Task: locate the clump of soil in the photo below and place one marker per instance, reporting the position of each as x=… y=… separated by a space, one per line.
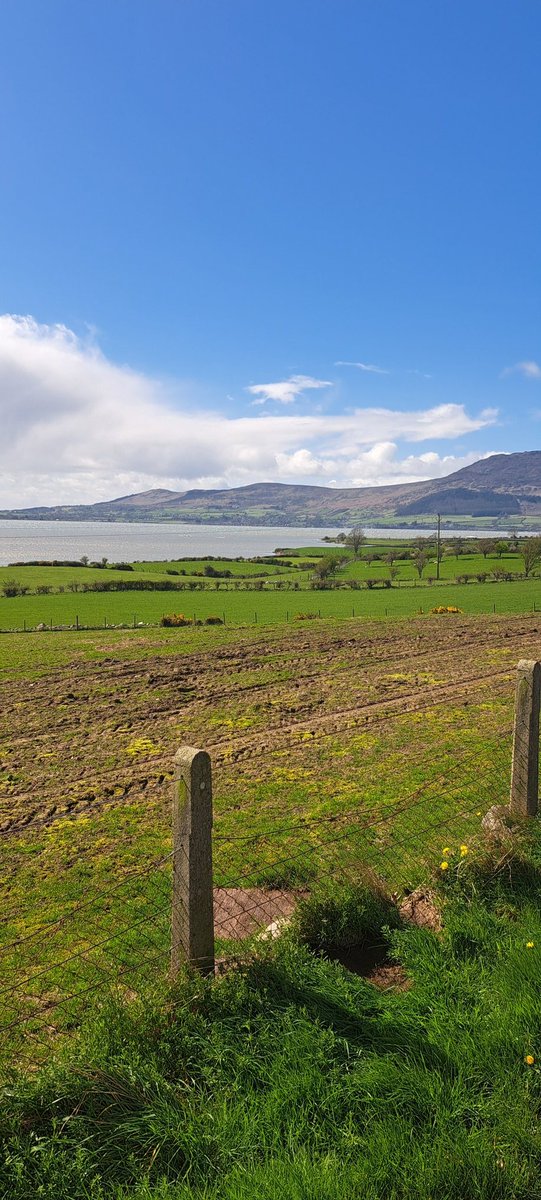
x=420 y=908
x=373 y=964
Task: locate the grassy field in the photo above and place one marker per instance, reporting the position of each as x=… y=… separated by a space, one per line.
x=265 y=607
x=266 y=593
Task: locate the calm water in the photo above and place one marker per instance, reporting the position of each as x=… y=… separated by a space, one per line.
x=23 y=540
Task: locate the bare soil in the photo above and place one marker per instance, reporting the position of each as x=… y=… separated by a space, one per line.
x=241 y=912
x=103 y=733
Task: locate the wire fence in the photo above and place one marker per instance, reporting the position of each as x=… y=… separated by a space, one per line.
x=99 y=919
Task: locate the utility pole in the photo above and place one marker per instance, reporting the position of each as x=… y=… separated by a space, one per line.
x=438 y=547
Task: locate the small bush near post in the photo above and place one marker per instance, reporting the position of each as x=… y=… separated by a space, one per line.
x=339 y=917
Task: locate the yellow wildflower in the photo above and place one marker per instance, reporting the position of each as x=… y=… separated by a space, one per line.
x=444 y=866
x=463 y=851
x=446 y=850
x=530 y=945
x=529 y=1060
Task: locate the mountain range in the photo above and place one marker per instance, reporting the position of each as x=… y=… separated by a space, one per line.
x=500 y=486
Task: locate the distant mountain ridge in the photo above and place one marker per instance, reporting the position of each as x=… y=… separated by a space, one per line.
x=498 y=486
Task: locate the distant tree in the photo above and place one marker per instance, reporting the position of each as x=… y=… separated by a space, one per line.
x=390 y=557
x=393 y=572
x=501 y=548
x=84 y=560
x=327 y=566
x=457 y=545
x=356 y=538
x=420 y=560
x=103 y=562
x=531 y=553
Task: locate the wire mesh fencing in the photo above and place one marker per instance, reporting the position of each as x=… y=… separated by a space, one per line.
x=113 y=937
x=400 y=846
x=118 y=916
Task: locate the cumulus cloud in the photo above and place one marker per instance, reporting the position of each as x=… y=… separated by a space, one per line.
x=379 y=465
x=287 y=390
x=529 y=369
x=363 y=367
x=78 y=428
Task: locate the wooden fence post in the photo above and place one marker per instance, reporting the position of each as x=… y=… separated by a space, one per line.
x=192 y=931
x=525 y=767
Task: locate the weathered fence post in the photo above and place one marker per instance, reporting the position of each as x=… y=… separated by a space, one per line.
x=192 y=933
x=525 y=766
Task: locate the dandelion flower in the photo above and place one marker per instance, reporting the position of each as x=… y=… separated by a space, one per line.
x=444 y=866
x=529 y=1060
x=530 y=945
x=463 y=851
x=446 y=850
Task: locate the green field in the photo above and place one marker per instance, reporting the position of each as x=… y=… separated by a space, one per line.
x=271 y=592
x=265 y=607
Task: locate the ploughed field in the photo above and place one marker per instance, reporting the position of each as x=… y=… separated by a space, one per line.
x=96 y=728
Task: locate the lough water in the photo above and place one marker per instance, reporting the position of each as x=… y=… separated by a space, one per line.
x=24 y=540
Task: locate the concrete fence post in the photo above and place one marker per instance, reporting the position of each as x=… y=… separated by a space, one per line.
x=525 y=766
x=192 y=926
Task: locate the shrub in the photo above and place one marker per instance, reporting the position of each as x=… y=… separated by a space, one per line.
x=343 y=916
x=174 y=620
x=306 y=616
x=11 y=588
x=214 y=621
x=445 y=608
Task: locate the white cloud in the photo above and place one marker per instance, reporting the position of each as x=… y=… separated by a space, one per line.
x=382 y=466
x=377 y=466
x=529 y=369
x=78 y=428
x=286 y=391
x=363 y=367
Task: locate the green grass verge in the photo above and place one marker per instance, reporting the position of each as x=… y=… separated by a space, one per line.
x=292 y=1079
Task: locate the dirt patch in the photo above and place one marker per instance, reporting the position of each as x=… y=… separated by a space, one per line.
x=420 y=908
x=390 y=977
x=241 y=912
x=373 y=964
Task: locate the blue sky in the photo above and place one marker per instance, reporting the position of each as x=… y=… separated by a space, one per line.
x=201 y=198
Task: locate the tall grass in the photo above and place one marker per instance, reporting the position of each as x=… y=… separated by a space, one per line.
x=292 y=1078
